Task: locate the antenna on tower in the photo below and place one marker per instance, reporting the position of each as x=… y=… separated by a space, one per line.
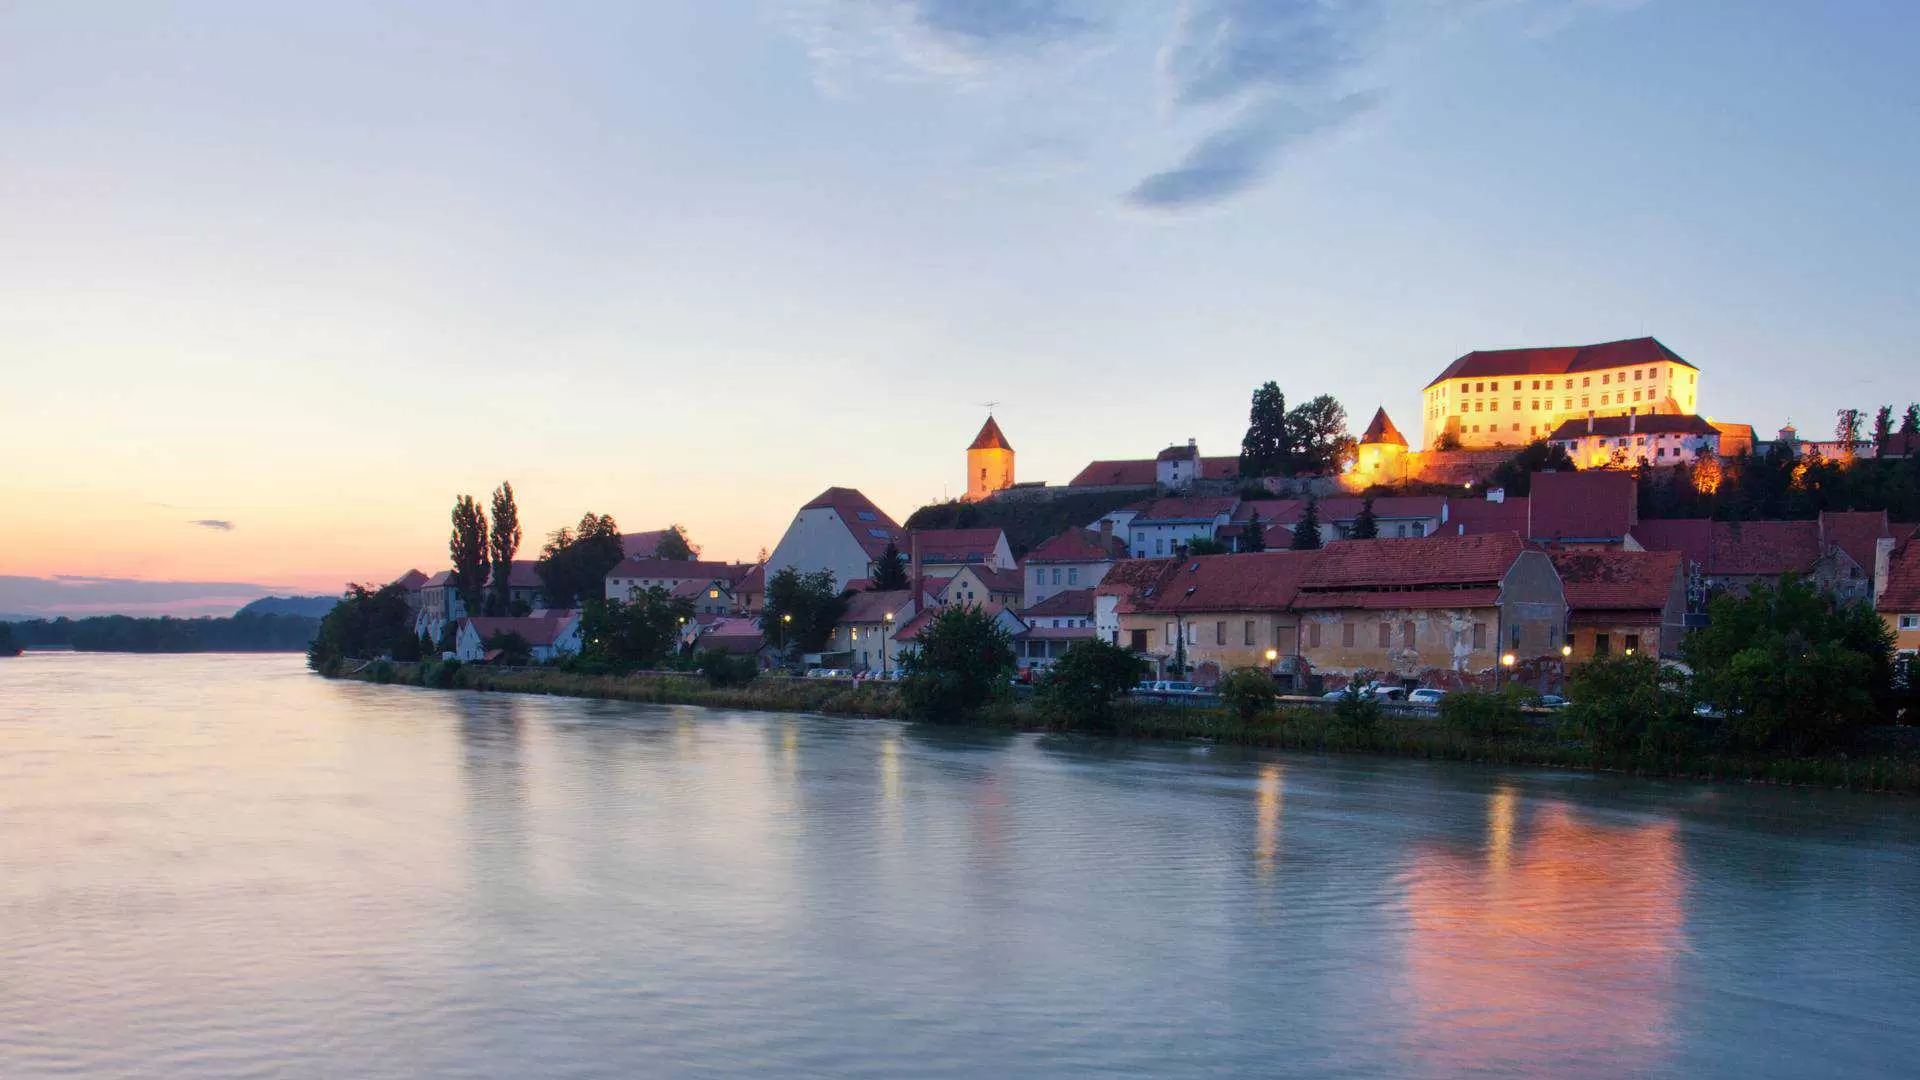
x=987 y=405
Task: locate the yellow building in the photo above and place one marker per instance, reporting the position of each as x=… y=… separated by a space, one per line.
x=1381 y=457
x=1510 y=397
x=989 y=462
x=1898 y=601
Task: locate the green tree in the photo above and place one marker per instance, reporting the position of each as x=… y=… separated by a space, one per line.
x=8 y=647
x=890 y=571
x=367 y=623
x=1083 y=686
x=1846 y=432
x=515 y=651
x=1247 y=694
x=675 y=545
x=1205 y=545
x=1267 y=448
x=503 y=545
x=1481 y=714
x=1882 y=424
x=1910 y=420
x=1255 y=538
x=1321 y=444
x=1515 y=475
x=1628 y=704
x=641 y=631
x=1366 y=526
x=801 y=610
x=963 y=661
x=574 y=564
x=1306 y=533
x=468 y=547
x=723 y=668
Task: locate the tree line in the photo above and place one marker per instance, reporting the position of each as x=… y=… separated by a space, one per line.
x=1310 y=439
x=245 y=632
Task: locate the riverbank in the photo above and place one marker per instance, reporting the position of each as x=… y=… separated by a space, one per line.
x=1300 y=726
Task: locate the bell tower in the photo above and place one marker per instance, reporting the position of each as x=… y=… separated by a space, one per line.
x=989 y=462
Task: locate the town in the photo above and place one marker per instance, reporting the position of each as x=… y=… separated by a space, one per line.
x=1521 y=539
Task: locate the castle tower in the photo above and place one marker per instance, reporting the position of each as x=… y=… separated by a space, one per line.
x=989 y=462
x=1381 y=457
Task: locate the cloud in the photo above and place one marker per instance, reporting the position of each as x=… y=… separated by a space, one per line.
x=1238 y=156
x=960 y=39
x=213 y=523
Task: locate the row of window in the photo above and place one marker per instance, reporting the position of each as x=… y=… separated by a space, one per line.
x=1040 y=573
x=1606 y=378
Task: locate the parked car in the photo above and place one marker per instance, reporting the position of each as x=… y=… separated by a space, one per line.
x=1549 y=701
x=1176 y=686
x=1426 y=695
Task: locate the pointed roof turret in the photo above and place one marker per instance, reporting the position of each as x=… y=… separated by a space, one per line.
x=1382 y=430
x=990 y=437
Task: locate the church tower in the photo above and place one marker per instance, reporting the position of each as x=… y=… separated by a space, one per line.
x=989 y=462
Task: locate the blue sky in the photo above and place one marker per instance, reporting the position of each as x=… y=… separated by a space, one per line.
x=696 y=262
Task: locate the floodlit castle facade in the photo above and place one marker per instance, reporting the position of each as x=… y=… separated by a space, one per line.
x=1510 y=397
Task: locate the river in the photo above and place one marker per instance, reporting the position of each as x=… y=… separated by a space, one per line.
x=223 y=866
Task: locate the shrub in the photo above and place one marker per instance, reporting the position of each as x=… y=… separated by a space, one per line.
x=515 y=651
x=723 y=668
x=1355 y=708
x=1483 y=715
x=440 y=674
x=1082 y=687
x=1628 y=703
x=380 y=671
x=963 y=661
x=1247 y=694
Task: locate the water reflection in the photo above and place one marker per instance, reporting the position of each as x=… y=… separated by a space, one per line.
x=1267 y=799
x=1556 y=945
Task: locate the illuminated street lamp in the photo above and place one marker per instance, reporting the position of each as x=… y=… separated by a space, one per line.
x=1566 y=651
x=884 y=638
x=1506 y=661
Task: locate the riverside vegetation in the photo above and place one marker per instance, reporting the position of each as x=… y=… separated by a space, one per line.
x=1785 y=688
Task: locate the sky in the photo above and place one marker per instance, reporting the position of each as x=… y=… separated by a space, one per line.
x=280 y=281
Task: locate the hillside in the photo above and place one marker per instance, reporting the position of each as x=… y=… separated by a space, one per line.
x=1027 y=522
x=311 y=606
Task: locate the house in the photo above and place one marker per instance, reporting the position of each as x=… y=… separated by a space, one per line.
x=524 y=589
x=735 y=635
x=1439 y=610
x=628 y=575
x=989 y=462
x=1126 y=585
x=1845 y=555
x=1116 y=474
x=1510 y=397
x=707 y=597
x=840 y=531
x=906 y=639
x=1076 y=559
x=1857 y=547
x=1054 y=625
x=1494 y=514
x=1177 y=468
x=1395 y=516
x=1898 y=602
x=1583 y=509
x=981 y=586
x=1659 y=440
x=944 y=551
x=551 y=636
x=1623 y=602
x=1166 y=526
x=411 y=583
x=440 y=604
x=1219 y=613
x=1269 y=513
x=1897 y=446
x=750 y=591
x=865 y=631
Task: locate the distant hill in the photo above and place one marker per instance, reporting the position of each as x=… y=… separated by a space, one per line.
x=315 y=607
x=1027 y=523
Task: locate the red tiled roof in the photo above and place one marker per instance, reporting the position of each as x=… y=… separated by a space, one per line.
x=642 y=545
x=754 y=579
x=946 y=546
x=1178 y=453
x=741 y=636
x=1187 y=509
x=990 y=437
x=1768 y=548
x=1134 y=580
x=1618 y=580
x=695 y=589
x=1558 y=360
x=1138 y=473
x=1476 y=517
x=1346 y=507
x=536 y=629
x=676 y=570
x=1381 y=430
x=862 y=519
x=872 y=607
x=1220 y=468
x=995 y=581
x=1253 y=581
x=1856 y=532
x=1399 y=599
x=1896 y=445
x=1414 y=562
x=1078 y=545
x=1075 y=602
x=441 y=580
x=1271 y=511
x=1616 y=426
x=523 y=574
x=411 y=581
x=1691 y=537
x=1902 y=595
x=1595 y=505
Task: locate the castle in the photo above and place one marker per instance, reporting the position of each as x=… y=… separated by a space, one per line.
x=989 y=462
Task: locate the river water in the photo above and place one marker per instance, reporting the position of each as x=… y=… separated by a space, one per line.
x=222 y=866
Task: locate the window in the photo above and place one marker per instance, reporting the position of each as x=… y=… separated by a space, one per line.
x=983 y=475
x=1169 y=638
x=1602 y=644
x=1568 y=404
x=1479 y=635
x=1605 y=379
x=1493 y=406
x=1910 y=622
x=1249 y=638
x=1516 y=404
x=1516 y=384
x=1636 y=395
x=1159 y=545
x=1039 y=577
x=1584 y=401
x=878 y=534
x=1463 y=406
x=1536 y=384
x=1535 y=405
x=1419 y=528
x=1516 y=427
x=1073 y=575
x=1479 y=386
x=1220 y=632
x=1479 y=406
x=1515 y=643
x=1346 y=635
x=1313 y=634
x=867 y=515
x=1603 y=399
x=1636 y=374
x=1193 y=633
x=1137 y=640
x=1633 y=644
x=1406 y=634
x=1386 y=635
x=1569 y=385
x=1056 y=575
x=1586 y=382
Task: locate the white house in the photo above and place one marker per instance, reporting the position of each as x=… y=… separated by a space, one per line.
x=1657 y=440
x=840 y=531
x=1165 y=526
x=671 y=574
x=1076 y=559
x=551 y=636
x=944 y=551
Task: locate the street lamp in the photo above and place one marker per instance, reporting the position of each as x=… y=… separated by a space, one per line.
x=1507 y=662
x=885 y=637
x=1566 y=651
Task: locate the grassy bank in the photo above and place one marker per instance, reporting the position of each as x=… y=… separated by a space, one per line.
x=1294 y=728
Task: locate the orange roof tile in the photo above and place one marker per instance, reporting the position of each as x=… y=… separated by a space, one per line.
x=1902 y=595
x=1597 y=505
x=1618 y=580
x=990 y=437
x=1253 y=581
x=1077 y=545
x=1414 y=562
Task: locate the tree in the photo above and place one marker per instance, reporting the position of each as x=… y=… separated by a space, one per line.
x=890 y=571
x=367 y=623
x=1083 y=685
x=574 y=564
x=1627 y=704
x=1306 y=533
x=1365 y=527
x=1882 y=424
x=1846 y=432
x=468 y=546
x=1515 y=475
x=1910 y=420
x=675 y=545
x=1448 y=440
x=1267 y=448
x=8 y=647
x=963 y=661
x=1247 y=694
x=1205 y=545
x=1321 y=443
x=1256 y=534
x=801 y=610
x=515 y=651
x=723 y=668
x=503 y=546
x=641 y=631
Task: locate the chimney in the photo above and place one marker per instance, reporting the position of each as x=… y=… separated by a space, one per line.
x=1106 y=529
x=1193 y=443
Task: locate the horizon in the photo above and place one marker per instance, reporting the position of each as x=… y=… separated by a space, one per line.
x=286 y=283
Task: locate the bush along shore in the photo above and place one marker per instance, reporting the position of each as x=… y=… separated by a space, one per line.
x=1486 y=729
